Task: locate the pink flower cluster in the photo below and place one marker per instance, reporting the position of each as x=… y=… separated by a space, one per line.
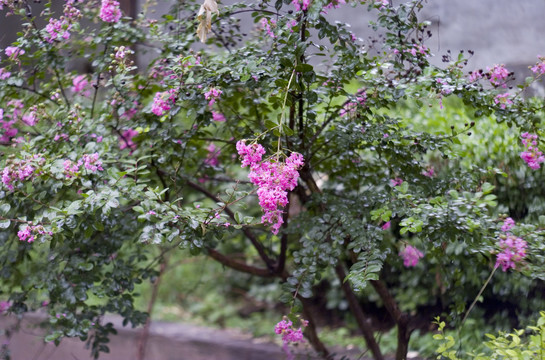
x=531 y=155
x=410 y=255
x=109 y=11
x=497 y=75
x=4 y=305
x=288 y=332
x=335 y=4
x=212 y=95
x=289 y=335
x=301 y=4
x=57 y=29
x=31 y=118
x=14 y=51
x=125 y=141
x=79 y=84
x=539 y=68
x=418 y=49
x=21 y=170
x=267 y=25
x=4 y=74
x=475 y=75
x=508 y=224
x=89 y=161
x=351 y=106
x=212 y=157
x=503 y=100
x=219 y=117
x=274 y=180
x=396 y=182
x=429 y=172
x=29 y=232
x=163 y=101
x=513 y=252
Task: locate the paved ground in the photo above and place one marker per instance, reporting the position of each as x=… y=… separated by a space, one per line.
x=167 y=341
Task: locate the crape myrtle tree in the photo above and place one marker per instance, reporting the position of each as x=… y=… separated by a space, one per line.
x=256 y=151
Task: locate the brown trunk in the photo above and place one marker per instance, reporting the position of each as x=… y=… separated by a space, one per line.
x=401 y=319
x=363 y=322
x=142 y=342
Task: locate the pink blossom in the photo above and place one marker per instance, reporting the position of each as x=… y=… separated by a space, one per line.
x=4 y=74
x=212 y=95
x=513 y=251
x=21 y=170
x=109 y=11
x=335 y=4
x=125 y=141
x=4 y=305
x=539 y=68
x=91 y=162
x=410 y=255
x=351 y=107
x=498 y=74
x=396 y=181
x=291 y=24
x=162 y=102
x=62 y=136
x=250 y=154
x=267 y=25
x=31 y=117
x=212 y=157
x=216 y=116
x=79 y=83
x=273 y=178
x=57 y=29
x=503 y=100
x=26 y=235
x=70 y=169
x=507 y=224
x=475 y=75
x=14 y=51
x=288 y=332
x=120 y=53
x=301 y=4
x=386 y=225
x=429 y=172
x=532 y=156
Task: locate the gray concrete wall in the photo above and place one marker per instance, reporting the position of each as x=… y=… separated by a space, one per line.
x=499 y=31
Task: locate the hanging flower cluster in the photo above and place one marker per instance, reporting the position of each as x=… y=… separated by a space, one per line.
x=289 y=334
x=274 y=179
x=513 y=252
x=532 y=156
x=410 y=255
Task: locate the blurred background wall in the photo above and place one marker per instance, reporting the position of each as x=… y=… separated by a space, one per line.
x=499 y=31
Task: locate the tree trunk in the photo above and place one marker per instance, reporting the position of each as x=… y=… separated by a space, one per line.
x=362 y=320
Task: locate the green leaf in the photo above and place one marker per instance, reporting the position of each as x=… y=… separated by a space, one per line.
x=4 y=209
x=4 y=224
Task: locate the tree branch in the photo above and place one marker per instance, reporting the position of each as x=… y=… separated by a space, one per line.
x=239 y=266
x=247 y=232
